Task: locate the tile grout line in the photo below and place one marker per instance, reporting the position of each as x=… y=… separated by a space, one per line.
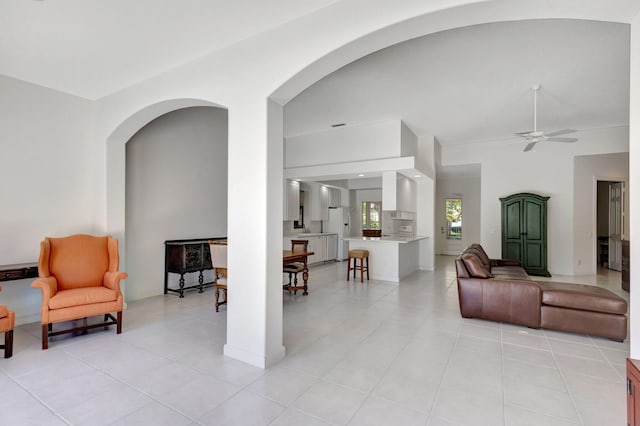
x=564 y=382
x=446 y=368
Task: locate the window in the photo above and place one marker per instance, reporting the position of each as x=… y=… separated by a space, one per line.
x=453 y=214
x=371 y=214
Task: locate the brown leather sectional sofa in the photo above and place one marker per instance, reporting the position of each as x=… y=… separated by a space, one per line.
x=501 y=290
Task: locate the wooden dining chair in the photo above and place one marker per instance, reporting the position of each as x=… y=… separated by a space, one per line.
x=293 y=268
x=218 y=251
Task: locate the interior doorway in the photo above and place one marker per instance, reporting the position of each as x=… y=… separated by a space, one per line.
x=611 y=223
x=452 y=228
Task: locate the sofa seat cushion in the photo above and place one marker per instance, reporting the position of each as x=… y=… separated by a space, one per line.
x=81 y=296
x=582 y=297
x=4 y=311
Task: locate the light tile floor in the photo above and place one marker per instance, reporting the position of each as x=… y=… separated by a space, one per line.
x=376 y=353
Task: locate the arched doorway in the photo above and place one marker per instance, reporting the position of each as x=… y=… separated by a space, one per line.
x=176 y=188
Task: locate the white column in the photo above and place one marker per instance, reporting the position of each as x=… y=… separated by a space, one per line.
x=254 y=312
x=425 y=222
x=634 y=185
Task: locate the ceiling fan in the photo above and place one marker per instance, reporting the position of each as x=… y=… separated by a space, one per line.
x=534 y=136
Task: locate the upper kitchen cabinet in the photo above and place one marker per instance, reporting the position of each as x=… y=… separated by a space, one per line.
x=335 y=198
x=291 y=200
x=318 y=201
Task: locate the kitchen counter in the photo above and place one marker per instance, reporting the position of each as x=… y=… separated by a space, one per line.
x=310 y=234
x=391 y=257
x=387 y=239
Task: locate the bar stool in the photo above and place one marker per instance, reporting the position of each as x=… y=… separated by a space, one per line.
x=363 y=255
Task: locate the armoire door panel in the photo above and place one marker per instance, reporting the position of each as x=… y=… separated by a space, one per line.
x=513 y=251
x=524 y=231
x=533 y=214
x=514 y=228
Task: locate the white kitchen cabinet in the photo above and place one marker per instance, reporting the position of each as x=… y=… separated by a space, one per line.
x=291 y=200
x=319 y=201
x=332 y=247
x=335 y=198
x=318 y=245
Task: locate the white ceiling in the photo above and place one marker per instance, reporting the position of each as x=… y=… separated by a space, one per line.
x=91 y=48
x=473 y=84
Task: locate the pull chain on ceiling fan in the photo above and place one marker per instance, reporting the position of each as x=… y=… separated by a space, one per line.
x=534 y=136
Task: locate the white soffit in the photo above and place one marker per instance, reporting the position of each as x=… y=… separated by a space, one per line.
x=91 y=48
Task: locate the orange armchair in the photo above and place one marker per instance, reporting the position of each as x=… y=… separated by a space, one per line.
x=79 y=278
x=7 y=322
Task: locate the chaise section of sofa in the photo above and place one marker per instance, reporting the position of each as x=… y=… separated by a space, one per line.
x=501 y=290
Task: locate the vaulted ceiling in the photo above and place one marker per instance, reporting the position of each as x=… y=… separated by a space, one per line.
x=91 y=48
x=473 y=84
x=464 y=85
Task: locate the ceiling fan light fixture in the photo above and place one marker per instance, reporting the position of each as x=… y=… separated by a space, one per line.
x=534 y=136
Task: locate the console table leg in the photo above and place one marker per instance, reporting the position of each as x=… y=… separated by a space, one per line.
x=181 y=285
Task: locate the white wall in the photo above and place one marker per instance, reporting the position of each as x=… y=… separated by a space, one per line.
x=634 y=177
x=587 y=171
x=51 y=179
x=546 y=171
x=176 y=189
x=349 y=143
x=469 y=189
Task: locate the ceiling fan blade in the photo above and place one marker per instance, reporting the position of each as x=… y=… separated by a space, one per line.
x=561 y=132
x=568 y=140
x=524 y=133
x=530 y=146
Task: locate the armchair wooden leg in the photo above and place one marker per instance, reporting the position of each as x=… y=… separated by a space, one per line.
x=8 y=344
x=45 y=336
x=119 y=325
x=217 y=290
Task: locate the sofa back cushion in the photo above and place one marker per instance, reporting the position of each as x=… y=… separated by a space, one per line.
x=78 y=261
x=475 y=266
x=481 y=255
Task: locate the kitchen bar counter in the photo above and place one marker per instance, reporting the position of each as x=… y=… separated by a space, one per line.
x=310 y=234
x=392 y=257
x=386 y=239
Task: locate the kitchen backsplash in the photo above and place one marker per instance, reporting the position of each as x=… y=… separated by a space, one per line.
x=314 y=226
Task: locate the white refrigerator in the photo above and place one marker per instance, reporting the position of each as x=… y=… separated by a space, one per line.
x=340 y=223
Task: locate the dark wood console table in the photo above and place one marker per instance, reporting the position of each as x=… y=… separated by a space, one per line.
x=626 y=266
x=184 y=256
x=18 y=272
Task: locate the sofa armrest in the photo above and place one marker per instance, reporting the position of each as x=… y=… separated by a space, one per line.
x=505 y=262
x=512 y=301
x=112 y=280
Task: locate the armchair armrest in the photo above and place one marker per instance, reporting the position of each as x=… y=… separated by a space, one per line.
x=505 y=262
x=112 y=280
x=49 y=287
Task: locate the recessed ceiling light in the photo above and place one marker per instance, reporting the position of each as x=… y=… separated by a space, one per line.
x=360 y=174
x=417 y=176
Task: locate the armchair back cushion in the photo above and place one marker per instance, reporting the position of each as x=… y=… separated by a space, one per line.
x=78 y=261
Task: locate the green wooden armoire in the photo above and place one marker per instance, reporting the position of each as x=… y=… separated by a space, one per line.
x=524 y=231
